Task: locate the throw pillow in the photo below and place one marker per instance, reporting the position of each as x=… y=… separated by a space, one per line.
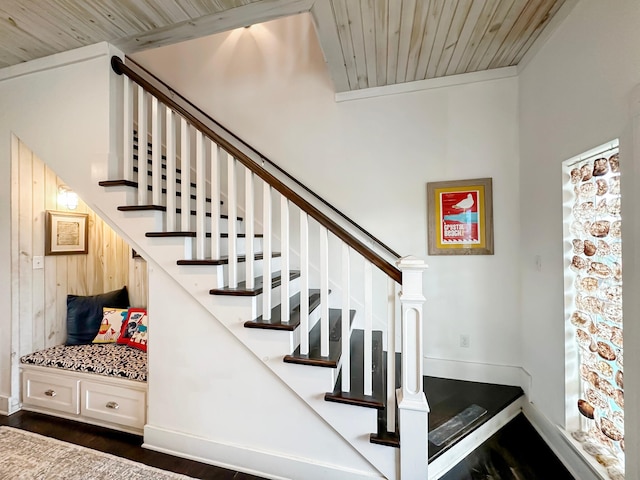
x=130 y=325
x=84 y=314
x=139 y=338
x=112 y=319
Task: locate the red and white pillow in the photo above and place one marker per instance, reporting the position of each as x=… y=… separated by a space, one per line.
x=134 y=330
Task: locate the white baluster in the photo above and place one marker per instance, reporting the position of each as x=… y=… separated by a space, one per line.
x=266 y=252
x=156 y=152
x=171 y=170
x=368 y=327
x=346 y=314
x=232 y=211
x=324 y=292
x=304 y=283
x=127 y=156
x=201 y=231
x=185 y=176
x=248 y=228
x=215 y=201
x=391 y=355
x=142 y=147
x=413 y=409
x=285 y=314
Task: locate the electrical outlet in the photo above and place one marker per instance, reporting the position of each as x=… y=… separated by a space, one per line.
x=464 y=340
x=38 y=262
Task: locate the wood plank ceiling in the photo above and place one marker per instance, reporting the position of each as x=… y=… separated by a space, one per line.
x=367 y=43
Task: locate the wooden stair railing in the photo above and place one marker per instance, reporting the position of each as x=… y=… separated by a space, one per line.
x=187 y=150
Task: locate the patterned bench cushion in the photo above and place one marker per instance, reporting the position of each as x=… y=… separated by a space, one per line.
x=107 y=359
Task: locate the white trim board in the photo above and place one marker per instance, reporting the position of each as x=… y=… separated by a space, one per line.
x=428 y=84
x=245 y=459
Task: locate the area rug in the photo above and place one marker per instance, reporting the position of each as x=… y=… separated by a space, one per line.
x=29 y=456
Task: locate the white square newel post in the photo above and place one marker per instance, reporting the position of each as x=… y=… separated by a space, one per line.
x=413 y=409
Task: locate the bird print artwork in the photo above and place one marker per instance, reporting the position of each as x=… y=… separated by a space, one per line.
x=465 y=204
x=459 y=213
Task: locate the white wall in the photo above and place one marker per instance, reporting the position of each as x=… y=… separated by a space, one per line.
x=575 y=95
x=372 y=158
x=209 y=400
x=59 y=107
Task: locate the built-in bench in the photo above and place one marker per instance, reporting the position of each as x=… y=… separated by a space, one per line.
x=102 y=384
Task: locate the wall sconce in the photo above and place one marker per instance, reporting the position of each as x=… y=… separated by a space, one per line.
x=67 y=198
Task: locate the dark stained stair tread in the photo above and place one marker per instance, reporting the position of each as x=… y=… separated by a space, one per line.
x=242 y=291
x=118 y=183
x=275 y=323
x=224 y=259
x=141 y=208
x=335 y=349
x=192 y=234
x=356 y=396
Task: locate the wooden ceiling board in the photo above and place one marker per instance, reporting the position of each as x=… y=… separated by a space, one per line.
x=366 y=43
x=455 y=29
x=382 y=40
x=354 y=16
x=369 y=34
x=415 y=44
x=479 y=30
x=435 y=12
x=407 y=15
x=474 y=15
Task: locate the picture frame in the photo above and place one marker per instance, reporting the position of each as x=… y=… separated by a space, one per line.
x=460 y=217
x=66 y=233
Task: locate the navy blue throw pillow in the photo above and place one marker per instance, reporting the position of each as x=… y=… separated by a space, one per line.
x=84 y=314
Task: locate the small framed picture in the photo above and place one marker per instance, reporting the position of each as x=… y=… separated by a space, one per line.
x=460 y=217
x=66 y=233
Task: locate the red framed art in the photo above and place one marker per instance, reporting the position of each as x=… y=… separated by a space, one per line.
x=460 y=217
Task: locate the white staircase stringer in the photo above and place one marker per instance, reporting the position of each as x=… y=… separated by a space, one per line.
x=310 y=383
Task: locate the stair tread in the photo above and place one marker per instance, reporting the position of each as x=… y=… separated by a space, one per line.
x=137 y=208
x=356 y=395
x=314 y=357
x=224 y=259
x=275 y=323
x=242 y=290
x=190 y=234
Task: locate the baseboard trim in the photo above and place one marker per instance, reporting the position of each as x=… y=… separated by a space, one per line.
x=452 y=457
x=476 y=372
x=8 y=405
x=247 y=460
x=562 y=446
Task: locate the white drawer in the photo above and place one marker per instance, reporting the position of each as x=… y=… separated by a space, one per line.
x=109 y=403
x=50 y=391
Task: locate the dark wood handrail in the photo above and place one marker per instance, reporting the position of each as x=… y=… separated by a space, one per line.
x=207 y=125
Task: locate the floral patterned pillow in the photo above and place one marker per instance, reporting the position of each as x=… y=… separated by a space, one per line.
x=111 y=325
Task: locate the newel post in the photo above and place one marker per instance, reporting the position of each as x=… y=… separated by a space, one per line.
x=413 y=410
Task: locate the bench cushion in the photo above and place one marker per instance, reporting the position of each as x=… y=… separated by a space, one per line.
x=108 y=359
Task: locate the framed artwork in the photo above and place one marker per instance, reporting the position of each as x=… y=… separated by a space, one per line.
x=66 y=233
x=460 y=217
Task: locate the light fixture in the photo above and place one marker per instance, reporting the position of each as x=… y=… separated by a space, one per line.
x=67 y=198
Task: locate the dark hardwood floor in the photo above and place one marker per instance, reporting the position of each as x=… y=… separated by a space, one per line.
x=516 y=452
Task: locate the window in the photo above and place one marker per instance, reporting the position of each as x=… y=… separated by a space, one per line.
x=593 y=304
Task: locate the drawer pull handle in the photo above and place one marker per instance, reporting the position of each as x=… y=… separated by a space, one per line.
x=112 y=405
x=50 y=393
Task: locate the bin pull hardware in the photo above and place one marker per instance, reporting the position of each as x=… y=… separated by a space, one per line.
x=50 y=393
x=112 y=405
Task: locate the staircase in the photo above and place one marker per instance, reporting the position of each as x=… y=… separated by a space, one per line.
x=248 y=242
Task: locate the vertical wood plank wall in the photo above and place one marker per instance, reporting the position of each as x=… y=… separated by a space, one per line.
x=43 y=292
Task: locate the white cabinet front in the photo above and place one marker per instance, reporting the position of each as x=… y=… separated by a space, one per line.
x=50 y=391
x=110 y=403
